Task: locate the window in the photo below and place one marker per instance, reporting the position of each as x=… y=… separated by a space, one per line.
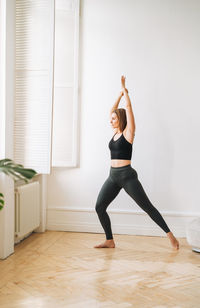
x=65 y=109
x=45 y=125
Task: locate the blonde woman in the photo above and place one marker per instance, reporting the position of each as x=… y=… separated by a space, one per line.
x=122 y=175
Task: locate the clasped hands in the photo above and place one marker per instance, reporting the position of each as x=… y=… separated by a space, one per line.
x=123 y=85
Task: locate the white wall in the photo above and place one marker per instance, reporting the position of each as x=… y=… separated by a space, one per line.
x=156 y=45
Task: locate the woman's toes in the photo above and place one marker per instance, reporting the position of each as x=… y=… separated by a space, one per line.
x=175 y=243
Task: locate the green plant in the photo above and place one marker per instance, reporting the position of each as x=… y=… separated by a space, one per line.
x=16 y=171
x=1 y=201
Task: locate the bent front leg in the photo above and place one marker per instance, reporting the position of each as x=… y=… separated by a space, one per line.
x=106 y=195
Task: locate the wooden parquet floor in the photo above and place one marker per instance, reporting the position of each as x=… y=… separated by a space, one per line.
x=62 y=269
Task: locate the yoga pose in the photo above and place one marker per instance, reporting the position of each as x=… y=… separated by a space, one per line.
x=122 y=175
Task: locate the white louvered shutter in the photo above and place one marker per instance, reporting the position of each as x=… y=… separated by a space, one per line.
x=34 y=84
x=65 y=124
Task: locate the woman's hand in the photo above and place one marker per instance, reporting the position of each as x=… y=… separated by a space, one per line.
x=123 y=81
x=125 y=90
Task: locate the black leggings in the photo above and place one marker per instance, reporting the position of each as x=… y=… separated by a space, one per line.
x=124 y=177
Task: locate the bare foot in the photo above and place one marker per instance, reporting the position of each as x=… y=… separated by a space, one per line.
x=106 y=244
x=174 y=242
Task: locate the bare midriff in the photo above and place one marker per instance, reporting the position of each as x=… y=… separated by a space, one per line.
x=120 y=162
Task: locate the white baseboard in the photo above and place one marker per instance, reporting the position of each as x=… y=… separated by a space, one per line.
x=123 y=221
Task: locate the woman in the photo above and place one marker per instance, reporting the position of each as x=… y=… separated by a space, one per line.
x=122 y=175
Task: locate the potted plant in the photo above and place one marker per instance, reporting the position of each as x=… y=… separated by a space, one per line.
x=16 y=171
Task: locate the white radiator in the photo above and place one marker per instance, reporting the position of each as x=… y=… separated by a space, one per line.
x=27 y=209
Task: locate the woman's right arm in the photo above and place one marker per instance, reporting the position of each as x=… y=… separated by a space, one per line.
x=115 y=106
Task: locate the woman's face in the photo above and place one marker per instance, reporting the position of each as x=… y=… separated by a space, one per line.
x=114 y=120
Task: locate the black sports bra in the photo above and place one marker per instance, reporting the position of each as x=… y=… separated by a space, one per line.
x=120 y=148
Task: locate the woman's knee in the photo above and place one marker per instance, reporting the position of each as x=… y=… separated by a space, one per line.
x=99 y=207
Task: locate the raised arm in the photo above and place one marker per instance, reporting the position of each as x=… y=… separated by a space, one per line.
x=115 y=106
x=129 y=112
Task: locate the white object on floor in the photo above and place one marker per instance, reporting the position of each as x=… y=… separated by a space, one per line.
x=193 y=234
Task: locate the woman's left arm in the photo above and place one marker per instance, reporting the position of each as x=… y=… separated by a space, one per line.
x=129 y=112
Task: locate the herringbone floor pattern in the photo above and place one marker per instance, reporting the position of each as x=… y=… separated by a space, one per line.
x=62 y=269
